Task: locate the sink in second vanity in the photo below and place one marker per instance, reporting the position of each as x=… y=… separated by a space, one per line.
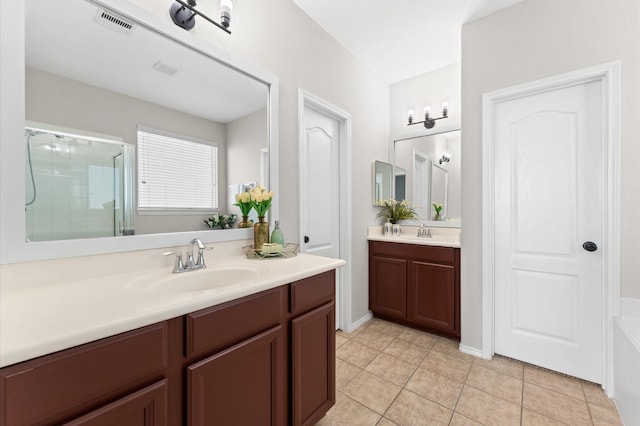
x=211 y=278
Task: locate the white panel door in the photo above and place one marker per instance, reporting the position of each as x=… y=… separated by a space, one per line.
x=320 y=192
x=548 y=202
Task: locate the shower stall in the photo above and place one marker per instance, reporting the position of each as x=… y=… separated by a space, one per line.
x=77 y=186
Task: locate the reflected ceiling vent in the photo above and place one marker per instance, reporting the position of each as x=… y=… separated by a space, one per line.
x=113 y=21
x=164 y=68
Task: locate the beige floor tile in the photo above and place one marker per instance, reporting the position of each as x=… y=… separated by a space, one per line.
x=555 y=405
x=374 y=339
x=412 y=409
x=349 y=334
x=531 y=418
x=348 y=412
x=386 y=422
x=372 y=391
x=340 y=340
x=385 y=327
x=356 y=353
x=460 y=420
x=486 y=408
x=406 y=351
x=595 y=395
x=605 y=415
x=418 y=337
x=451 y=350
x=391 y=369
x=556 y=382
x=431 y=385
x=506 y=387
x=503 y=365
x=345 y=372
x=448 y=367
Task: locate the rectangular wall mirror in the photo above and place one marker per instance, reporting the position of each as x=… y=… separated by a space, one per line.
x=432 y=164
x=93 y=79
x=382 y=182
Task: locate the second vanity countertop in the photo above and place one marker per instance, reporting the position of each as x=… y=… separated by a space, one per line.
x=39 y=316
x=443 y=237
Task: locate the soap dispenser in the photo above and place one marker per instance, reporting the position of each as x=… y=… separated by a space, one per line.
x=276 y=236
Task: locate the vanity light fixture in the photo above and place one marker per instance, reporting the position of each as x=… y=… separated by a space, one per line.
x=445 y=157
x=184 y=14
x=429 y=121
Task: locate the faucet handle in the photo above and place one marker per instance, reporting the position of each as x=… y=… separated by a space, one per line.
x=179 y=266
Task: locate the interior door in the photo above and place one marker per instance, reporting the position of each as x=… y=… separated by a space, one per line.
x=549 y=178
x=320 y=188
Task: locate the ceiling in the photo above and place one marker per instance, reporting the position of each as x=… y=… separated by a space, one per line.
x=80 y=44
x=400 y=39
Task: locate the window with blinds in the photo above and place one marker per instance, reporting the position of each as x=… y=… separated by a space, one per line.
x=176 y=172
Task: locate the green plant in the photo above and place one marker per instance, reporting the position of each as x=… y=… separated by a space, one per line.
x=396 y=211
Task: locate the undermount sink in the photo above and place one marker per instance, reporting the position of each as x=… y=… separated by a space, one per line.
x=210 y=278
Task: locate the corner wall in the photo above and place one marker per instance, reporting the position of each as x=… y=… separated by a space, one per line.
x=529 y=41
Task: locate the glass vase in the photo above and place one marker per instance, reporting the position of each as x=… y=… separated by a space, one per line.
x=260 y=233
x=244 y=223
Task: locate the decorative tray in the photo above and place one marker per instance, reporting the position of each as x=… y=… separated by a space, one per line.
x=289 y=250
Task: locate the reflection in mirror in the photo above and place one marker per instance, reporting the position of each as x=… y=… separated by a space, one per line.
x=400 y=183
x=92 y=75
x=439 y=191
x=416 y=154
x=382 y=182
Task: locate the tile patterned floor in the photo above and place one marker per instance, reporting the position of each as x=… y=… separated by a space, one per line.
x=387 y=374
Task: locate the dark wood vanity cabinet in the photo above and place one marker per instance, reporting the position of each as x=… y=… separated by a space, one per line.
x=417 y=285
x=264 y=359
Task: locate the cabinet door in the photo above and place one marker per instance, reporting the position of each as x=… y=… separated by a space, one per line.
x=432 y=296
x=313 y=364
x=243 y=385
x=388 y=286
x=147 y=407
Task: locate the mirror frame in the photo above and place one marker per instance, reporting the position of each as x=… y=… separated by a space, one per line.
x=421 y=132
x=13 y=247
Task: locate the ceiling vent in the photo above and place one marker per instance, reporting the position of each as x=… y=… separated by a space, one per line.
x=113 y=21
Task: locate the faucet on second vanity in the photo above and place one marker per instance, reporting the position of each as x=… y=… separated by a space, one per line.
x=191 y=264
x=423 y=231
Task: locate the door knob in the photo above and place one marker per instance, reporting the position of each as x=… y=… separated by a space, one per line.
x=590 y=246
x=306 y=239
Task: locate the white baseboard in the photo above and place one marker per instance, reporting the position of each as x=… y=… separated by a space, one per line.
x=358 y=323
x=472 y=351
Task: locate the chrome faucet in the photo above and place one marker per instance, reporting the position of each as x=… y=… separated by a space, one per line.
x=191 y=264
x=423 y=231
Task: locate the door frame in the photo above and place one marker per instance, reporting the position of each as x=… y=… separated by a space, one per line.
x=609 y=76
x=343 y=274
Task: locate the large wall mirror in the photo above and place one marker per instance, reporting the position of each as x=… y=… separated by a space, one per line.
x=430 y=169
x=93 y=79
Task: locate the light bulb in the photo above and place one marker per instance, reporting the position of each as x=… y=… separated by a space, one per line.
x=445 y=109
x=411 y=116
x=226 y=6
x=427 y=112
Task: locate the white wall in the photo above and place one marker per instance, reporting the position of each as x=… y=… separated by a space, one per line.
x=431 y=88
x=279 y=36
x=528 y=41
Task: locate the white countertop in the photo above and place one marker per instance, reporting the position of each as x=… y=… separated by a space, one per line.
x=49 y=306
x=443 y=237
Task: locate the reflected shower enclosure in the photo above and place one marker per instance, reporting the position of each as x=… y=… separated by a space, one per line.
x=77 y=186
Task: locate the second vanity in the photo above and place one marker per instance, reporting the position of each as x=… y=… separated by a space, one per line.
x=416 y=280
x=130 y=348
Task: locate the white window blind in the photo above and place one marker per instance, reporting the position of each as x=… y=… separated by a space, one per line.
x=175 y=172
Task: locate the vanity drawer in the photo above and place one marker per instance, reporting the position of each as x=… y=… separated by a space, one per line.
x=56 y=386
x=223 y=325
x=311 y=292
x=420 y=252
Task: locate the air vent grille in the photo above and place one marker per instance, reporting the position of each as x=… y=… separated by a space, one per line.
x=113 y=21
